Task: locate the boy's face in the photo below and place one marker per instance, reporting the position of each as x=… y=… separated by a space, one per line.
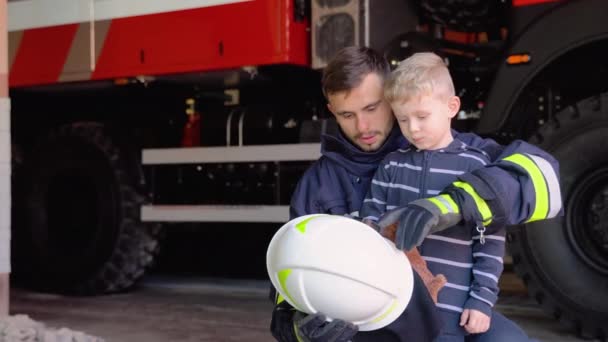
x=362 y=113
x=425 y=120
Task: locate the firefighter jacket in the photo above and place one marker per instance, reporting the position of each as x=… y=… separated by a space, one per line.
x=338 y=182
x=520 y=185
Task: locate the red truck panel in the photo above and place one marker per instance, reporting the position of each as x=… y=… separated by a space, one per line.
x=41 y=55
x=518 y=3
x=259 y=32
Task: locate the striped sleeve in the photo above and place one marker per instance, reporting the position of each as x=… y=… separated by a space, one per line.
x=542 y=183
x=487 y=269
x=374 y=204
x=521 y=186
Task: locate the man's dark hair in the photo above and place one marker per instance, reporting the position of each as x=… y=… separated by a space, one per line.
x=349 y=66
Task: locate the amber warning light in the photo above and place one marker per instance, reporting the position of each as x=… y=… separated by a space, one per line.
x=520 y=58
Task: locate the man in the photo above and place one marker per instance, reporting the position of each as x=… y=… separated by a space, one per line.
x=519 y=186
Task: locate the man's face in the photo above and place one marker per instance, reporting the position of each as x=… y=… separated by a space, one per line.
x=425 y=120
x=363 y=114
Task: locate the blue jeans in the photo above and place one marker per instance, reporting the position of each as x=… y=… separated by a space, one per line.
x=501 y=330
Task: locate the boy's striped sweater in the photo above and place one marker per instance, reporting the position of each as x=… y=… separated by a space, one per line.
x=472 y=268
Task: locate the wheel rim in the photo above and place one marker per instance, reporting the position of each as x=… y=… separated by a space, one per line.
x=587 y=219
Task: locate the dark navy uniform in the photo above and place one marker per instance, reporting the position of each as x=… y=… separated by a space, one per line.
x=338 y=182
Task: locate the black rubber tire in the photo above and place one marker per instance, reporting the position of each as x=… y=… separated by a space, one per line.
x=564 y=261
x=77 y=227
x=465 y=15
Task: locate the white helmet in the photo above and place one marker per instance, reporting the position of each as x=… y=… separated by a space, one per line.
x=341 y=268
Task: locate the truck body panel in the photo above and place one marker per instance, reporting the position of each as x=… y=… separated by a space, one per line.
x=249 y=33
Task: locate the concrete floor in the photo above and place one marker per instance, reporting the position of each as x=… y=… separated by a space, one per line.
x=188 y=309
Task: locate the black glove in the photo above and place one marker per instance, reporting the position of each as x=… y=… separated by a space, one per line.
x=281 y=325
x=314 y=328
x=420 y=218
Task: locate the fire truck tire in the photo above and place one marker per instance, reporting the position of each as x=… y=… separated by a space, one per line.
x=464 y=15
x=564 y=261
x=78 y=229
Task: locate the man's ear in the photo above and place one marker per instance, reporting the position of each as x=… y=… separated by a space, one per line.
x=331 y=110
x=453 y=106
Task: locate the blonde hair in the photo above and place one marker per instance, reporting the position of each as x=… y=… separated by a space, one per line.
x=423 y=73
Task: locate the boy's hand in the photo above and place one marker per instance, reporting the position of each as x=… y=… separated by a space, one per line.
x=474 y=322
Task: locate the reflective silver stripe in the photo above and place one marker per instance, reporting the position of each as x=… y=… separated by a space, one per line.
x=457 y=287
x=486 y=274
x=472 y=294
x=449 y=307
x=375 y=200
x=405 y=165
x=433 y=192
x=397 y=186
x=484 y=255
x=449 y=172
x=389 y=207
x=491 y=237
x=446 y=203
x=555 y=196
x=466 y=155
x=448 y=262
x=450 y=240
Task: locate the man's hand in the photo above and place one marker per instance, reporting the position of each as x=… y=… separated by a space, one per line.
x=314 y=328
x=474 y=322
x=420 y=218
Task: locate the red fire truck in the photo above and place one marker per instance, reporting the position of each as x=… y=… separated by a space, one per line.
x=130 y=114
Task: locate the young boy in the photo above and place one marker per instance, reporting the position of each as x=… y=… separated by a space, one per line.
x=421 y=94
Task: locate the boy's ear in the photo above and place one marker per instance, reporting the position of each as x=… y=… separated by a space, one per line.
x=453 y=106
